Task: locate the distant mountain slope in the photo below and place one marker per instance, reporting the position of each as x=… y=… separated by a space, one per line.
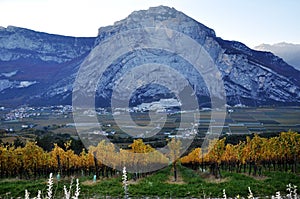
x=31 y=61
x=39 y=68
x=289 y=52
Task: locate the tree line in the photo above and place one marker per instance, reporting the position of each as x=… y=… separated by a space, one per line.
x=252 y=155
x=280 y=153
x=32 y=161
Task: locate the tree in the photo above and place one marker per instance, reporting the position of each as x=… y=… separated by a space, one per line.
x=194 y=158
x=174 y=154
x=140 y=161
x=216 y=150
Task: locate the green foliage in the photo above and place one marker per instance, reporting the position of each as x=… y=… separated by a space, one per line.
x=195 y=185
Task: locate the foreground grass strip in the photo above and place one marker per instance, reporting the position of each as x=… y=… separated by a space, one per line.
x=194 y=184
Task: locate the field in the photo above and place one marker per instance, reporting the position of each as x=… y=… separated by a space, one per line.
x=238 y=121
x=190 y=184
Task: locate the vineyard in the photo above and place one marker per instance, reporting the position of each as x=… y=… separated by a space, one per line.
x=32 y=161
x=254 y=155
x=281 y=153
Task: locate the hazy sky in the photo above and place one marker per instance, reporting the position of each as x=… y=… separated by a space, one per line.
x=250 y=21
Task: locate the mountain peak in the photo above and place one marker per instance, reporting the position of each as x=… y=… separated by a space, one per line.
x=160 y=16
x=159 y=13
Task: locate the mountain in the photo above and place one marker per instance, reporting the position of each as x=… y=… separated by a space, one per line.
x=30 y=62
x=38 y=68
x=289 y=52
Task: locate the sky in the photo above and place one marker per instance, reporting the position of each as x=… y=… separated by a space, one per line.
x=252 y=22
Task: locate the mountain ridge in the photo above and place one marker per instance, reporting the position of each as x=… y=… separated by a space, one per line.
x=288 y=51
x=250 y=77
x=36 y=57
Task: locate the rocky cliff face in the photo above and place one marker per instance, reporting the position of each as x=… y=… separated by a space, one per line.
x=17 y=43
x=32 y=61
x=257 y=77
x=250 y=77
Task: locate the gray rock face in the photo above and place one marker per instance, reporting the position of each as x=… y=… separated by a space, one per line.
x=250 y=77
x=16 y=43
x=31 y=62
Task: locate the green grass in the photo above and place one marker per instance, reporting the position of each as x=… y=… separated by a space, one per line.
x=16 y=188
x=193 y=185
